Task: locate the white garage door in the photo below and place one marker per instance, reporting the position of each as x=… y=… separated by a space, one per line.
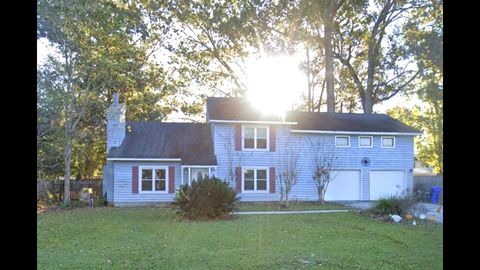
x=344 y=186
x=384 y=183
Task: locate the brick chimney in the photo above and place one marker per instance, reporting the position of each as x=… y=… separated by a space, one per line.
x=115 y=123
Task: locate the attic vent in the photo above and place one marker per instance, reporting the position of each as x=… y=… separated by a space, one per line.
x=365 y=161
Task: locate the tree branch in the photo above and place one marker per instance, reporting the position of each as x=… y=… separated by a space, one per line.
x=400 y=88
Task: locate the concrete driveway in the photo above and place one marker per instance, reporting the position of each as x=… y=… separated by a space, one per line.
x=428 y=209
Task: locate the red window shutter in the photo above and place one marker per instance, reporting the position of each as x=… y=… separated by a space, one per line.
x=135 y=179
x=273 y=139
x=238 y=137
x=272 y=179
x=171 y=179
x=238 y=174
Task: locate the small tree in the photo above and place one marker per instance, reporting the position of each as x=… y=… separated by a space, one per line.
x=288 y=171
x=323 y=162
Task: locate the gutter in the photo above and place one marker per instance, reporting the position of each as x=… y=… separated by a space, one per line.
x=145 y=159
x=355 y=132
x=252 y=122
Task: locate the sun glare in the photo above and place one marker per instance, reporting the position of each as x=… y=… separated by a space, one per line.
x=274 y=84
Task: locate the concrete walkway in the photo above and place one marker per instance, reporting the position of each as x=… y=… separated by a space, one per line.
x=289 y=212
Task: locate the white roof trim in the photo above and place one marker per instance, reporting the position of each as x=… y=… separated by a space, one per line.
x=145 y=159
x=354 y=132
x=252 y=122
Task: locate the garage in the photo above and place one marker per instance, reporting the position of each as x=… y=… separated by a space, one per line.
x=386 y=182
x=345 y=186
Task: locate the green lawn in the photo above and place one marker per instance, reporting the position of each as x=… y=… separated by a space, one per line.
x=149 y=238
x=293 y=206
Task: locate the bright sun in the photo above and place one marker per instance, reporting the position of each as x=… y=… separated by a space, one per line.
x=274 y=84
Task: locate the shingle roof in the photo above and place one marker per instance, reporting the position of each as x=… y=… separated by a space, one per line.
x=347 y=122
x=192 y=142
x=219 y=108
x=240 y=110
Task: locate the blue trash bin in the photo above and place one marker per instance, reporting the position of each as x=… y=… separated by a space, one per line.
x=435 y=194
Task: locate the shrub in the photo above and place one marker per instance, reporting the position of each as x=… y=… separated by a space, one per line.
x=207 y=198
x=100 y=201
x=393 y=205
x=73 y=204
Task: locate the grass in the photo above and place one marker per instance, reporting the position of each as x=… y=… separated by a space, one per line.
x=293 y=206
x=150 y=238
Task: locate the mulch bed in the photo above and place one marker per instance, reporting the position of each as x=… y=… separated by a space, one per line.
x=388 y=219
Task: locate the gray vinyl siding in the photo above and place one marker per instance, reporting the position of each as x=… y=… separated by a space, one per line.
x=123 y=194
x=349 y=158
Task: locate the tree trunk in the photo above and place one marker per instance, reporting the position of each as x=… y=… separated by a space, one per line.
x=320 y=197
x=67 y=159
x=324 y=189
x=368 y=102
x=327 y=43
x=321 y=96
x=286 y=199
x=310 y=97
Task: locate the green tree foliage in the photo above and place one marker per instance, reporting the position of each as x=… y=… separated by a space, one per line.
x=369 y=45
x=429 y=146
x=424 y=39
x=103 y=47
x=167 y=56
x=209 y=43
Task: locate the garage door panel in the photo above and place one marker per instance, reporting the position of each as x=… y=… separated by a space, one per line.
x=386 y=182
x=344 y=186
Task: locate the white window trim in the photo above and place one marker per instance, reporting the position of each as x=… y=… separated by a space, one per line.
x=210 y=167
x=388 y=137
x=336 y=137
x=140 y=168
x=255 y=179
x=363 y=146
x=255 y=138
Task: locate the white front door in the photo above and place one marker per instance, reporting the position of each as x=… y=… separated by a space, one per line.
x=345 y=186
x=386 y=182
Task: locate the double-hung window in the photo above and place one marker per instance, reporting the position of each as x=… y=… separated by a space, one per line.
x=153 y=179
x=255 y=179
x=255 y=138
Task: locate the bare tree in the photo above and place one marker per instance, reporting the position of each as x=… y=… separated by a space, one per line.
x=323 y=161
x=229 y=149
x=288 y=170
x=234 y=157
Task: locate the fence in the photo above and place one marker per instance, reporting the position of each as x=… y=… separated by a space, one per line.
x=424 y=184
x=54 y=189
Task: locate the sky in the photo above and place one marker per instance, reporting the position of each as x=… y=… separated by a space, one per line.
x=42 y=50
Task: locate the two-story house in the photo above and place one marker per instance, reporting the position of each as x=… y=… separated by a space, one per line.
x=147 y=161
